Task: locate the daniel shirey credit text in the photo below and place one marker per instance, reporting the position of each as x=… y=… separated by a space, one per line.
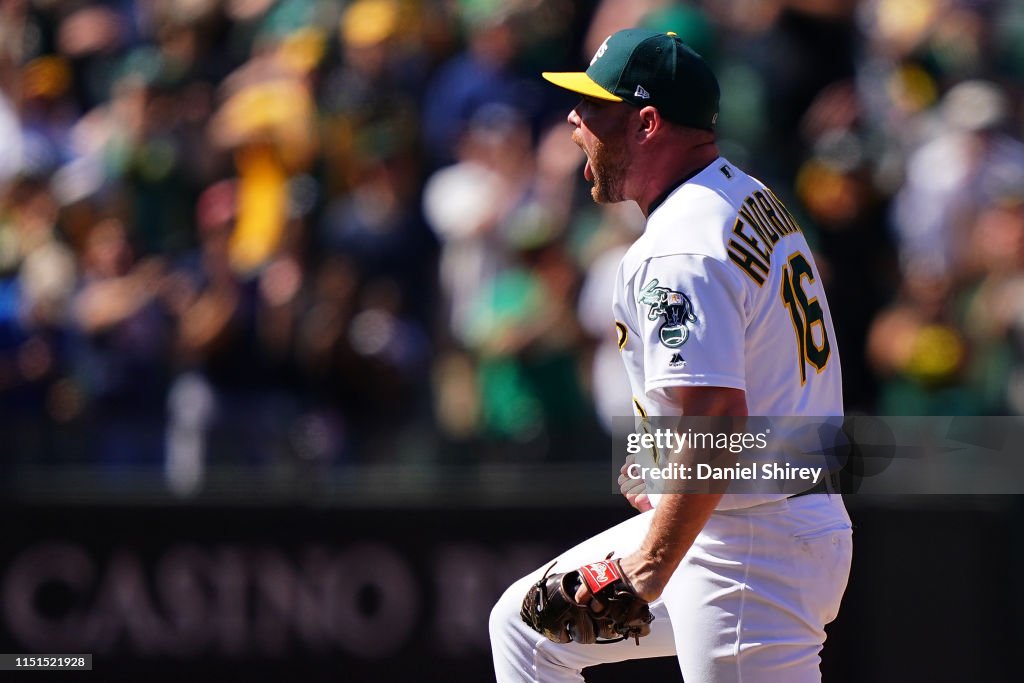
x=653 y=451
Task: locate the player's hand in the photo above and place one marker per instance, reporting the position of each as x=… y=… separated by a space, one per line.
x=646 y=577
x=635 y=490
x=585 y=597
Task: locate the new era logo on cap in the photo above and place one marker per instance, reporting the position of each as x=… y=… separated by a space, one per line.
x=641 y=93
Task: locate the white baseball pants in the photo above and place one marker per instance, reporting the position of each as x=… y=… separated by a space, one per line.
x=748 y=603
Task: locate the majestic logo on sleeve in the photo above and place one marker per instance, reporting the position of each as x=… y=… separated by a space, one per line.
x=674 y=307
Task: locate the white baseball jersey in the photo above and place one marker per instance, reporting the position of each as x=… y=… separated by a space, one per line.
x=721 y=290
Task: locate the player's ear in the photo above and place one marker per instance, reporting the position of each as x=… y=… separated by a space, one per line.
x=649 y=122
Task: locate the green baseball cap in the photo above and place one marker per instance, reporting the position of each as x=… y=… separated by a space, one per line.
x=644 y=68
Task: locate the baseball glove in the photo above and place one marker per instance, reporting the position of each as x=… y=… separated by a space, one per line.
x=550 y=606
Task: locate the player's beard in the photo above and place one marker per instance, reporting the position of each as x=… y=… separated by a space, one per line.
x=608 y=166
x=609 y=169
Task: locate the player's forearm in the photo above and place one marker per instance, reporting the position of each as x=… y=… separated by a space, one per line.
x=678 y=520
x=680 y=514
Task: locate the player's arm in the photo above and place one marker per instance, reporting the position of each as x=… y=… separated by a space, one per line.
x=679 y=517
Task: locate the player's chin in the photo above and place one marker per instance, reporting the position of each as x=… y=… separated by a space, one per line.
x=601 y=195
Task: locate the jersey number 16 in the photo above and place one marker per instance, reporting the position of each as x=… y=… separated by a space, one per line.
x=805 y=314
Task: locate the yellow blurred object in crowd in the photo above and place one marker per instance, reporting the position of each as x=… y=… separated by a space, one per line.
x=303 y=49
x=262 y=204
x=905 y=23
x=47 y=76
x=279 y=111
x=912 y=89
x=369 y=22
x=936 y=354
x=830 y=196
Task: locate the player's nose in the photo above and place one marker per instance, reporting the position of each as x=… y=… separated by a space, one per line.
x=574 y=118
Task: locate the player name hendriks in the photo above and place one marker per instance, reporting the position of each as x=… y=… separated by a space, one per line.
x=705 y=472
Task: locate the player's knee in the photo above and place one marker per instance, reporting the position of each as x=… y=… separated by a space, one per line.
x=505 y=619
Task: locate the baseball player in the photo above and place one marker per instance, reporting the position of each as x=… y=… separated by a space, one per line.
x=719 y=311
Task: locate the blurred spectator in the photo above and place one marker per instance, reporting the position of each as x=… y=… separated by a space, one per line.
x=994 y=315
x=957 y=167
x=220 y=340
x=37 y=281
x=506 y=277
x=483 y=74
x=609 y=384
x=471 y=206
x=121 y=352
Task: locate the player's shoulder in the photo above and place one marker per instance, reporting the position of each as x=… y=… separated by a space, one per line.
x=696 y=219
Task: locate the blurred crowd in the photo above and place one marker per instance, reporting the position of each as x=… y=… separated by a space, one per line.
x=255 y=231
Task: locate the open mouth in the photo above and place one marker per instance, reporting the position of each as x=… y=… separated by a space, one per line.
x=588 y=170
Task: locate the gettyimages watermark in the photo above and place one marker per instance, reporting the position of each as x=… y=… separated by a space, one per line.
x=812 y=455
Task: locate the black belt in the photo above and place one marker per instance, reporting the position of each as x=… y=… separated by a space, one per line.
x=828 y=484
